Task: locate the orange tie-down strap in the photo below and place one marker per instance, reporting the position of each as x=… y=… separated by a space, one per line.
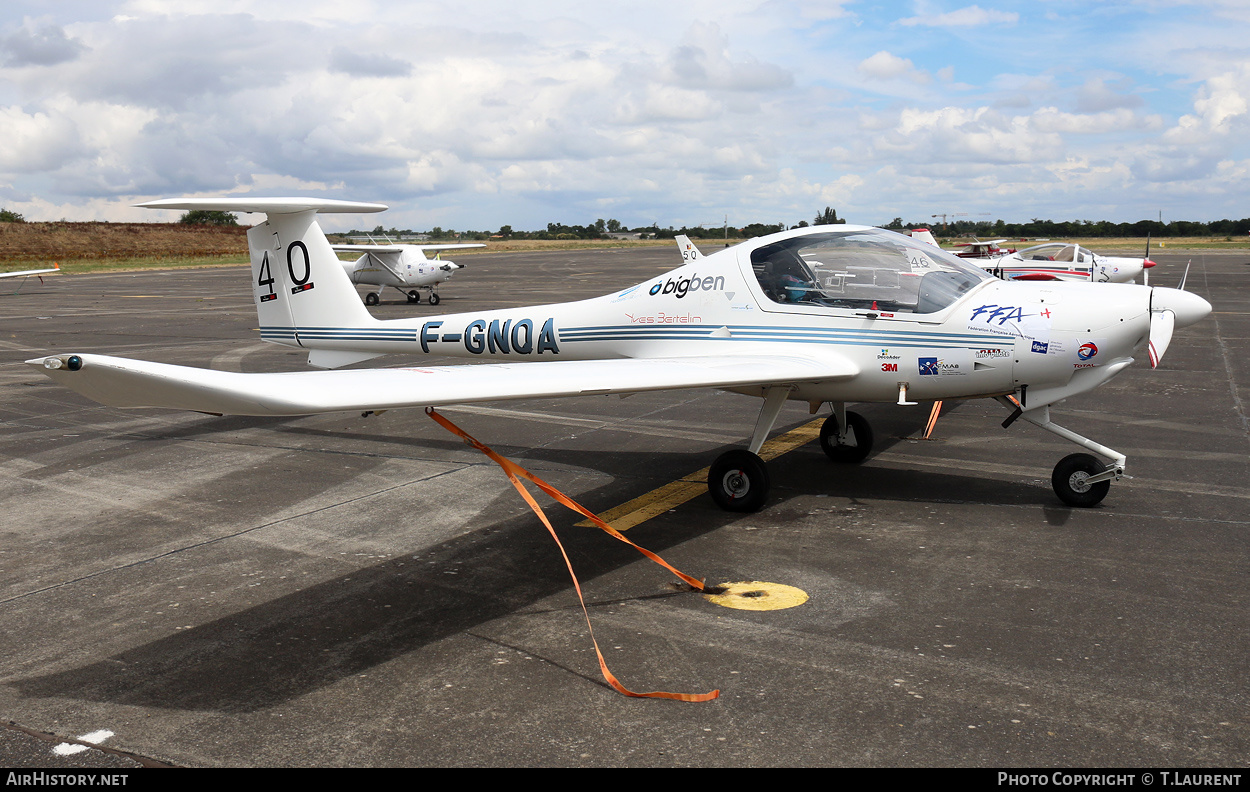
x=515 y=472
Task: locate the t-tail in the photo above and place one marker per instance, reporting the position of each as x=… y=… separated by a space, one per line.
x=301 y=291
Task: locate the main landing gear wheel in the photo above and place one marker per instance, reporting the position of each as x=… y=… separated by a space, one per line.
x=435 y=299
x=1071 y=480
x=371 y=298
x=738 y=481
x=414 y=296
x=858 y=443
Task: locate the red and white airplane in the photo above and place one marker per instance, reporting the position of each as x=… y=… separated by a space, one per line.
x=824 y=315
x=983 y=250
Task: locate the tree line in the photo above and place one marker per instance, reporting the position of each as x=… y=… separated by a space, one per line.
x=602 y=229
x=1058 y=229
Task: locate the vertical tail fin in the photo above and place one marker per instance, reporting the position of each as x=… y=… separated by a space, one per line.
x=689 y=252
x=299 y=285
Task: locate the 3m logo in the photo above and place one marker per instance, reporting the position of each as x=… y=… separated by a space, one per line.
x=889 y=367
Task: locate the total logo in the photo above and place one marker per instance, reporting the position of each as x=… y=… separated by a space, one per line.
x=693 y=283
x=1087 y=351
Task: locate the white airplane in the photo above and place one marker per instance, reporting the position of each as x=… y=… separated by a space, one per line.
x=821 y=315
x=24 y=274
x=1067 y=261
x=405 y=267
x=1051 y=261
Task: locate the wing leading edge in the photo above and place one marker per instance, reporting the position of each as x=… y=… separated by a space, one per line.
x=122 y=382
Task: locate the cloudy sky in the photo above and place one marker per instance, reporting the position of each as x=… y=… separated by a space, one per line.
x=479 y=113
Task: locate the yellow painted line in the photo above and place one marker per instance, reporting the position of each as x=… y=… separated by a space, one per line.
x=688 y=487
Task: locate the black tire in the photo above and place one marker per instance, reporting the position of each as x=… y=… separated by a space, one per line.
x=371 y=298
x=435 y=299
x=1069 y=481
x=738 y=481
x=859 y=444
x=414 y=296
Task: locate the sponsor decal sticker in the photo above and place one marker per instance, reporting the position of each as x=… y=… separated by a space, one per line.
x=663 y=318
x=681 y=286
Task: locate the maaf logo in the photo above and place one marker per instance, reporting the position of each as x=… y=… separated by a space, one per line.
x=1087 y=351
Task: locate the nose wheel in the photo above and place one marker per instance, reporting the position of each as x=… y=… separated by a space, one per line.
x=1080 y=480
x=1076 y=481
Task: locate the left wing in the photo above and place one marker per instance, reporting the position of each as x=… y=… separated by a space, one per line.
x=122 y=382
x=25 y=273
x=400 y=248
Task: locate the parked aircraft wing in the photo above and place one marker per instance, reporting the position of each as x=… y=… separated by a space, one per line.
x=395 y=249
x=122 y=382
x=28 y=273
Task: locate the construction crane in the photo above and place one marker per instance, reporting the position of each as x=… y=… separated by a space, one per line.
x=958 y=214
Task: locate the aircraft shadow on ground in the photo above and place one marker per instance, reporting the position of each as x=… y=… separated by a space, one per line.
x=282 y=649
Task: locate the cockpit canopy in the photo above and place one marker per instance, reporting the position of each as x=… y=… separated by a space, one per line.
x=1058 y=251
x=862 y=269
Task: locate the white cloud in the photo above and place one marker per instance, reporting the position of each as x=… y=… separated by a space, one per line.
x=886 y=66
x=970 y=16
x=531 y=110
x=46 y=45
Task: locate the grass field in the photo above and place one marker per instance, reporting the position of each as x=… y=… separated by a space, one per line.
x=118 y=247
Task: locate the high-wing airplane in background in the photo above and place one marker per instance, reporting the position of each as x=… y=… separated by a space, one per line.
x=821 y=314
x=983 y=250
x=405 y=267
x=24 y=274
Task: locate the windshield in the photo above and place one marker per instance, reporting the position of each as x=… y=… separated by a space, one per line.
x=1057 y=251
x=863 y=269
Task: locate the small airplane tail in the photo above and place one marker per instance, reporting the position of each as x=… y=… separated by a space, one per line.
x=298 y=283
x=689 y=252
x=924 y=235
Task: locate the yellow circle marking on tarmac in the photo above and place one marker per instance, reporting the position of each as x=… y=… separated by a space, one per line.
x=758 y=596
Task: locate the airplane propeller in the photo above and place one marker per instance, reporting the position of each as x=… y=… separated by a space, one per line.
x=1146 y=263
x=1169 y=308
x=1162 y=323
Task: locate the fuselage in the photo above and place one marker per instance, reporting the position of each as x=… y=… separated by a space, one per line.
x=862 y=296
x=411 y=268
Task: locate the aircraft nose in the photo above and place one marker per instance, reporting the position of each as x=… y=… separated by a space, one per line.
x=1187 y=306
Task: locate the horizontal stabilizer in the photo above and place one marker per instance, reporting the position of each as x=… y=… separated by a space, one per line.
x=265 y=205
x=122 y=382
